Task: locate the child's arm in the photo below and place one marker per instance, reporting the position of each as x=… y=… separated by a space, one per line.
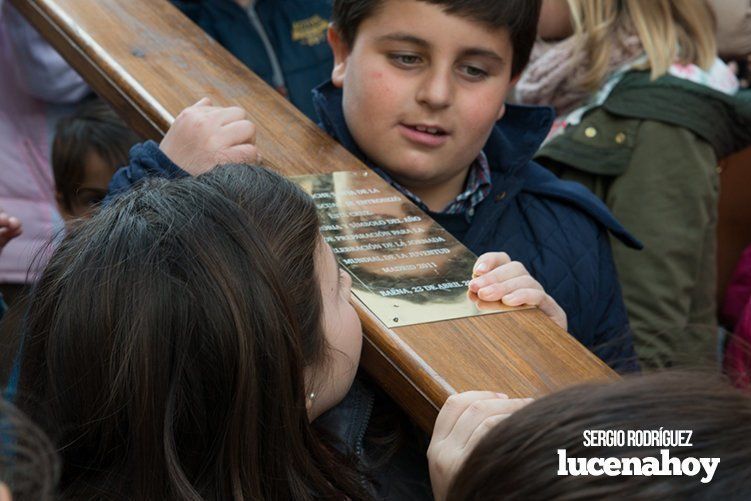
x=201 y=137
x=38 y=68
x=10 y=228
x=497 y=278
x=463 y=421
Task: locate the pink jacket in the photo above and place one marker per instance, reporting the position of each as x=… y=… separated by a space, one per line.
x=36 y=88
x=737 y=312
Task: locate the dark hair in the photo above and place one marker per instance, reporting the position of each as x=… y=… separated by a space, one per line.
x=520 y=17
x=29 y=465
x=93 y=127
x=518 y=459
x=166 y=343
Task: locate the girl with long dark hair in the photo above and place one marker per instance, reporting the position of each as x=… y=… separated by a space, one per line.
x=181 y=342
x=175 y=349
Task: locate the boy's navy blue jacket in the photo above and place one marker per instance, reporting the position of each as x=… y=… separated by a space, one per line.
x=296 y=32
x=557 y=229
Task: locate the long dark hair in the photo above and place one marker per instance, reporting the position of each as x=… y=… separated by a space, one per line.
x=167 y=339
x=518 y=459
x=29 y=465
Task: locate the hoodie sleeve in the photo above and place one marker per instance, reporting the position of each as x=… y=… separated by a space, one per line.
x=39 y=69
x=146 y=161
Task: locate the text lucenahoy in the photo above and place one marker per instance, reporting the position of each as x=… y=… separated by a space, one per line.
x=639 y=466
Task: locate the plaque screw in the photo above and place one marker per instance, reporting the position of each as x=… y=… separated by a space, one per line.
x=396 y=319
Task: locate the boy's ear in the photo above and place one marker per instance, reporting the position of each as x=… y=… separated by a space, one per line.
x=341 y=52
x=512 y=84
x=501 y=112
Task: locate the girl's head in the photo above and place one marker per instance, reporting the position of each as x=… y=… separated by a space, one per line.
x=89 y=147
x=174 y=340
x=519 y=458
x=318 y=289
x=29 y=466
x=669 y=31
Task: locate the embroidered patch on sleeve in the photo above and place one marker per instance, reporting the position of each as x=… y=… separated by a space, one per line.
x=310 y=31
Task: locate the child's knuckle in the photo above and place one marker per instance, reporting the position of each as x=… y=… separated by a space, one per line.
x=478 y=406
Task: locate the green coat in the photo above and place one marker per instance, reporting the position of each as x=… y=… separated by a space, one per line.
x=650 y=152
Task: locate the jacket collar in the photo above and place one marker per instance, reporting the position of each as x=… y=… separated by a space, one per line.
x=512 y=142
x=510 y=148
x=722 y=120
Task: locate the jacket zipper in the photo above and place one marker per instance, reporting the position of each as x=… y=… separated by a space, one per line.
x=277 y=78
x=359 y=447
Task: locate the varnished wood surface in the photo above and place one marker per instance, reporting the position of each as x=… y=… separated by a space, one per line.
x=149 y=62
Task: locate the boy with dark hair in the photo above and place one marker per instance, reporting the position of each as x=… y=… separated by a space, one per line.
x=89 y=146
x=417 y=93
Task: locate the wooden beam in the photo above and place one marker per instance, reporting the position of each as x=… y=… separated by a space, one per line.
x=149 y=62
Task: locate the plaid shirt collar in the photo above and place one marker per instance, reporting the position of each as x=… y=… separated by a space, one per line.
x=475 y=191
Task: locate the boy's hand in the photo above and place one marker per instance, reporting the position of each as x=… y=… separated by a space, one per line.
x=204 y=136
x=463 y=421
x=497 y=278
x=10 y=228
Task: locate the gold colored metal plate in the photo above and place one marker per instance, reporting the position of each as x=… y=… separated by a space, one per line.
x=405 y=267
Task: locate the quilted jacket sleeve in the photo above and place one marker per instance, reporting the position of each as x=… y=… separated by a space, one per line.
x=614 y=342
x=146 y=160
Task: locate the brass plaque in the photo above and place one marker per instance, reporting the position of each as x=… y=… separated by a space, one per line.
x=405 y=267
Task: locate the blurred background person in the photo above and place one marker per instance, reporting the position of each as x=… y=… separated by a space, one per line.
x=644 y=111
x=283 y=42
x=37 y=87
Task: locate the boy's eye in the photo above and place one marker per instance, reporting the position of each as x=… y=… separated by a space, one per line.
x=405 y=59
x=89 y=198
x=93 y=201
x=473 y=72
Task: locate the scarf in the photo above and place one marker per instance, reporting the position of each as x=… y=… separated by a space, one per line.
x=555 y=70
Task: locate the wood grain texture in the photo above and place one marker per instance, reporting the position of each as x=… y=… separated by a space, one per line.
x=149 y=62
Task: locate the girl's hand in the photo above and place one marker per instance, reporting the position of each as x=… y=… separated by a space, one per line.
x=463 y=421
x=10 y=228
x=497 y=278
x=204 y=136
